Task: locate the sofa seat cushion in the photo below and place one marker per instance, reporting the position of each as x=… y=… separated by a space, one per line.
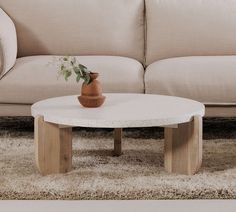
x=33 y=78
x=209 y=79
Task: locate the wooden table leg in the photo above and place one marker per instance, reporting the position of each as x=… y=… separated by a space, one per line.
x=53 y=147
x=117 y=142
x=183 y=147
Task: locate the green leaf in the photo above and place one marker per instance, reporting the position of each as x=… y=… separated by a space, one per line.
x=87 y=78
x=67 y=74
x=76 y=70
x=82 y=67
x=69 y=65
x=62 y=67
x=78 y=78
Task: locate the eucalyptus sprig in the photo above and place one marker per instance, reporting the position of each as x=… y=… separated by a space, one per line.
x=69 y=65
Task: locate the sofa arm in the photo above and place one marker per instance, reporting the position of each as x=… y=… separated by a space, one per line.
x=8 y=43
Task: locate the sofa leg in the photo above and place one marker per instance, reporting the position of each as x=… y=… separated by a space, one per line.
x=183 y=147
x=117 y=142
x=53 y=147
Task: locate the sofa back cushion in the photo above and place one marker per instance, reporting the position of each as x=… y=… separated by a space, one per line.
x=78 y=27
x=190 y=28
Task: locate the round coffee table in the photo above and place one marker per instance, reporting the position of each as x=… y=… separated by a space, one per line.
x=181 y=118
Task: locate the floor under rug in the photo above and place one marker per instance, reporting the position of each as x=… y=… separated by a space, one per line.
x=137 y=174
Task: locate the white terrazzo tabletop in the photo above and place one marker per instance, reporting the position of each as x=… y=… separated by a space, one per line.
x=119 y=111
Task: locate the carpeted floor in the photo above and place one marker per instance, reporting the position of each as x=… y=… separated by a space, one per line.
x=138 y=174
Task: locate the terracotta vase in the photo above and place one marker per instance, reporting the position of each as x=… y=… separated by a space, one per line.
x=91 y=94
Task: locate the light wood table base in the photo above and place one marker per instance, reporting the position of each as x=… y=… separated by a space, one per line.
x=117 y=142
x=53 y=147
x=183 y=147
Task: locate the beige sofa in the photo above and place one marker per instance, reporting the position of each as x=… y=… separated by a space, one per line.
x=173 y=47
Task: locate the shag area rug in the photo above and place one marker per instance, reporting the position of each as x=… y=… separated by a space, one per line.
x=137 y=174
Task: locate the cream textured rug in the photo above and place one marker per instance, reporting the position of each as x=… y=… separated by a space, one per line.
x=138 y=174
